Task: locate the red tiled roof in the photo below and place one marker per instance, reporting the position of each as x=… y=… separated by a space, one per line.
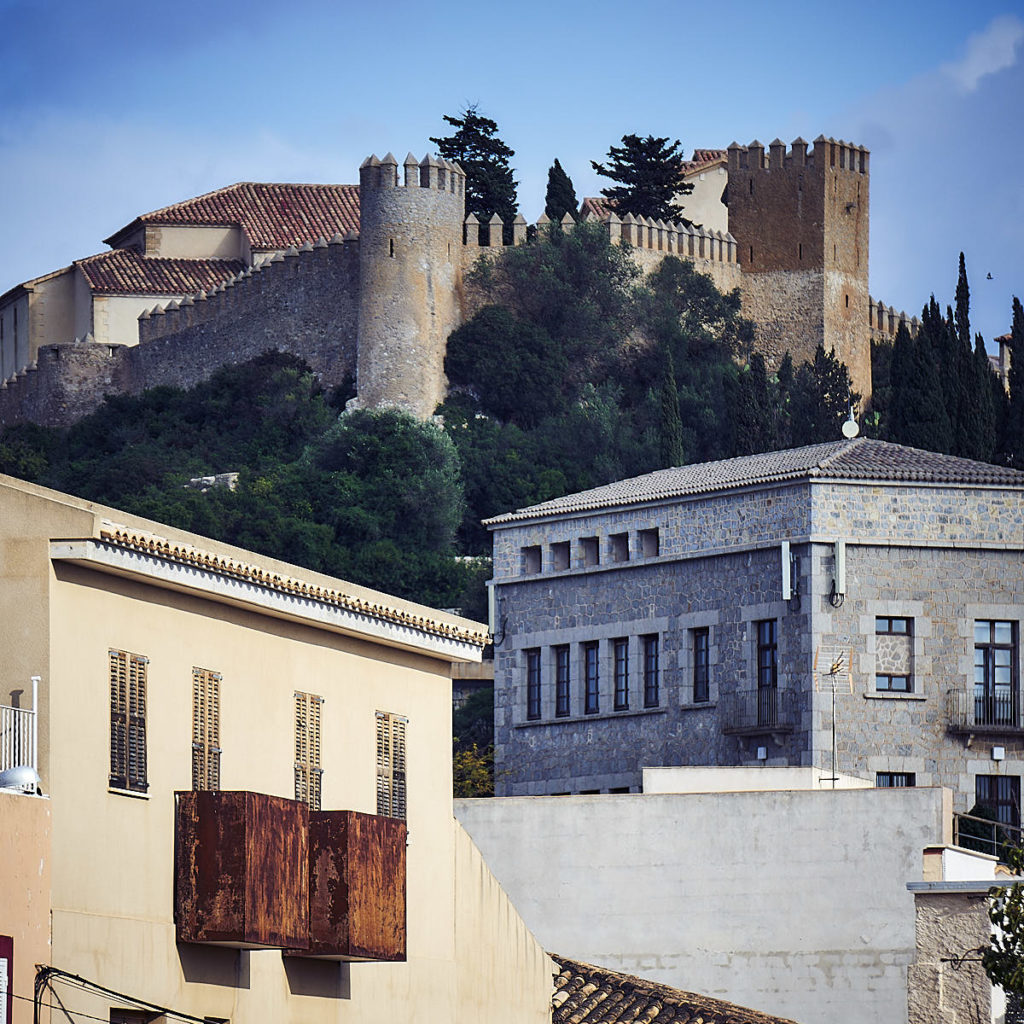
x=597 y=205
x=708 y=156
x=273 y=216
x=128 y=272
x=585 y=994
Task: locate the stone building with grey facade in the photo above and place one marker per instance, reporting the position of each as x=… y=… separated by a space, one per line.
x=715 y=614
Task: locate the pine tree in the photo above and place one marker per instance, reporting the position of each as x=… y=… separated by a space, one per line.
x=670 y=425
x=476 y=147
x=1013 y=436
x=650 y=174
x=561 y=196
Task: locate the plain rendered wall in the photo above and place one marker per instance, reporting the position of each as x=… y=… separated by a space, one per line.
x=794 y=903
x=704 y=204
x=116 y=317
x=736 y=779
x=25 y=890
x=192 y=243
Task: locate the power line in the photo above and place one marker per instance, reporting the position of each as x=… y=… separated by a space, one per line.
x=54 y=1006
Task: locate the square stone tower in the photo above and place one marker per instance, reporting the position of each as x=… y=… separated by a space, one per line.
x=800 y=219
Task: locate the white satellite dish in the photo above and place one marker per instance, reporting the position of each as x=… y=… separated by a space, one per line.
x=850 y=427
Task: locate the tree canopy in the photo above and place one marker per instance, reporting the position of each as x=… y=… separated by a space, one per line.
x=476 y=146
x=560 y=197
x=650 y=173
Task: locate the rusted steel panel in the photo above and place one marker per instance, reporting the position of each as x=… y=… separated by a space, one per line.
x=241 y=870
x=357 y=886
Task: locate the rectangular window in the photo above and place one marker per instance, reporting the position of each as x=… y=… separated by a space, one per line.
x=562 y=681
x=997 y=797
x=621 y=651
x=767 y=672
x=894 y=684
x=533 y=683
x=701 y=683
x=895 y=780
x=590 y=550
x=887 y=625
x=651 y=695
x=128 y=721
x=893 y=654
x=205 y=729
x=618 y=545
x=650 y=542
x=531 y=559
x=391 y=800
x=560 y=556
x=995 y=673
x=591 y=705
x=307 y=749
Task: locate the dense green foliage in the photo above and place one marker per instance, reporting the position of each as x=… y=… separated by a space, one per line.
x=560 y=197
x=649 y=173
x=1012 y=447
x=937 y=391
x=579 y=372
x=372 y=497
x=477 y=148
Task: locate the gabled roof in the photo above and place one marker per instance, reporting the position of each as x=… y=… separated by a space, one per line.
x=128 y=272
x=273 y=216
x=706 y=156
x=862 y=459
x=585 y=994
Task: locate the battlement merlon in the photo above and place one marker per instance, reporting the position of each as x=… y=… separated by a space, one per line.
x=826 y=153
x=430 y=172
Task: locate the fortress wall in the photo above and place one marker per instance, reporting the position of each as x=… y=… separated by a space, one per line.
x=884 y=321
x=787 y=308
x=68 y=382
x=305 y=302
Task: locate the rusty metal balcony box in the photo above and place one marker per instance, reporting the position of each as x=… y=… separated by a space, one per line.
x=241 y=866
x=356 y=886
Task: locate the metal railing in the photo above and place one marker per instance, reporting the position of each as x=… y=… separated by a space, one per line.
x=984 y=835
x=992 y=712
x=766 y=707
x=19 y=737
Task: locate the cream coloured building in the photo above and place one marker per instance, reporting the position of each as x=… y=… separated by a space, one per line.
x=170 y=664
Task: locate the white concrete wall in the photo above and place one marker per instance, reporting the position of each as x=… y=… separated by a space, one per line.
x=740 y=779
x=704 y=204
x=791 y=902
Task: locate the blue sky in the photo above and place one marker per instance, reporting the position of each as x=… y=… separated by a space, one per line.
x=112 y=108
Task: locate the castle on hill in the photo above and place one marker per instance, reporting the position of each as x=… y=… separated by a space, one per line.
x=366 y=282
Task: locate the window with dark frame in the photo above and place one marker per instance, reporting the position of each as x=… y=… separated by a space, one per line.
x=995 y=673
x=591 y=679
x=562 y=681
x=896 y=657
x=128 y=684
x=620 y=648
x=895 y=780
x=533 y=683
x=652 y=696
x=701 y=679
x=999 y=795
x=767 y=672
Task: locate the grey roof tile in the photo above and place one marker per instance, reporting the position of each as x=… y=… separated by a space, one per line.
x=859 y=459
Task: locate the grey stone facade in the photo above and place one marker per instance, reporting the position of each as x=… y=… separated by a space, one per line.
x=932 y=543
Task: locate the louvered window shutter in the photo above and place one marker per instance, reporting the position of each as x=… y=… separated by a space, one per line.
x=391 y=765
x=119 y=719
x=307 y=749
x=128 y=721
x=205 y=729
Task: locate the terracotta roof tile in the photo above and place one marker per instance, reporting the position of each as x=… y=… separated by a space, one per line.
x=597 y=205
x=128 y=272
x=859 y=459
x=274 y=216
x=585 y=994
x=707 y=156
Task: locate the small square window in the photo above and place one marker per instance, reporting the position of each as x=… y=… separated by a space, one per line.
x=895 y=684
x=887 y=625
x=618 y=545
x=650 y=542
x=560 y=556
x=590 y=550
x=531 y=559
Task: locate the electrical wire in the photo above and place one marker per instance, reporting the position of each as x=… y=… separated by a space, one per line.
x=45 y=975
x=54 y=1006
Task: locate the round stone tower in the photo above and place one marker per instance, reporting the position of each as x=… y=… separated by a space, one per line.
x=410 y=278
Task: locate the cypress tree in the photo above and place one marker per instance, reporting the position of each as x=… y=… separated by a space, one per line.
x=670 y=424
x=919 y=416
x=985 y=435
x=1013 y=436
x=561 y=196
x=753 y=412
x=963 y=307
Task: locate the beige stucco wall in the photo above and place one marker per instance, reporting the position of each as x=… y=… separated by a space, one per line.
x=14 y=345
x=113 y=853
x=115 y=318
x=25 y=890
x=704 y=204
x=192 y=243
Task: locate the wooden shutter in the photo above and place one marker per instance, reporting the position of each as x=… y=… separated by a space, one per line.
x=391 y=765
x=128 y=721
x=307 y=749
x=205 y=729
x=119 y=719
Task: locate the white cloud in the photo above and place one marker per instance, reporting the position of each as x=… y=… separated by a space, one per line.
x=991 y=50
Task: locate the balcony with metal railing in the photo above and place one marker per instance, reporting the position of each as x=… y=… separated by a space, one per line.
x=19 y=745
x=986 y=836
x=762 y=711
x=985 y=713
